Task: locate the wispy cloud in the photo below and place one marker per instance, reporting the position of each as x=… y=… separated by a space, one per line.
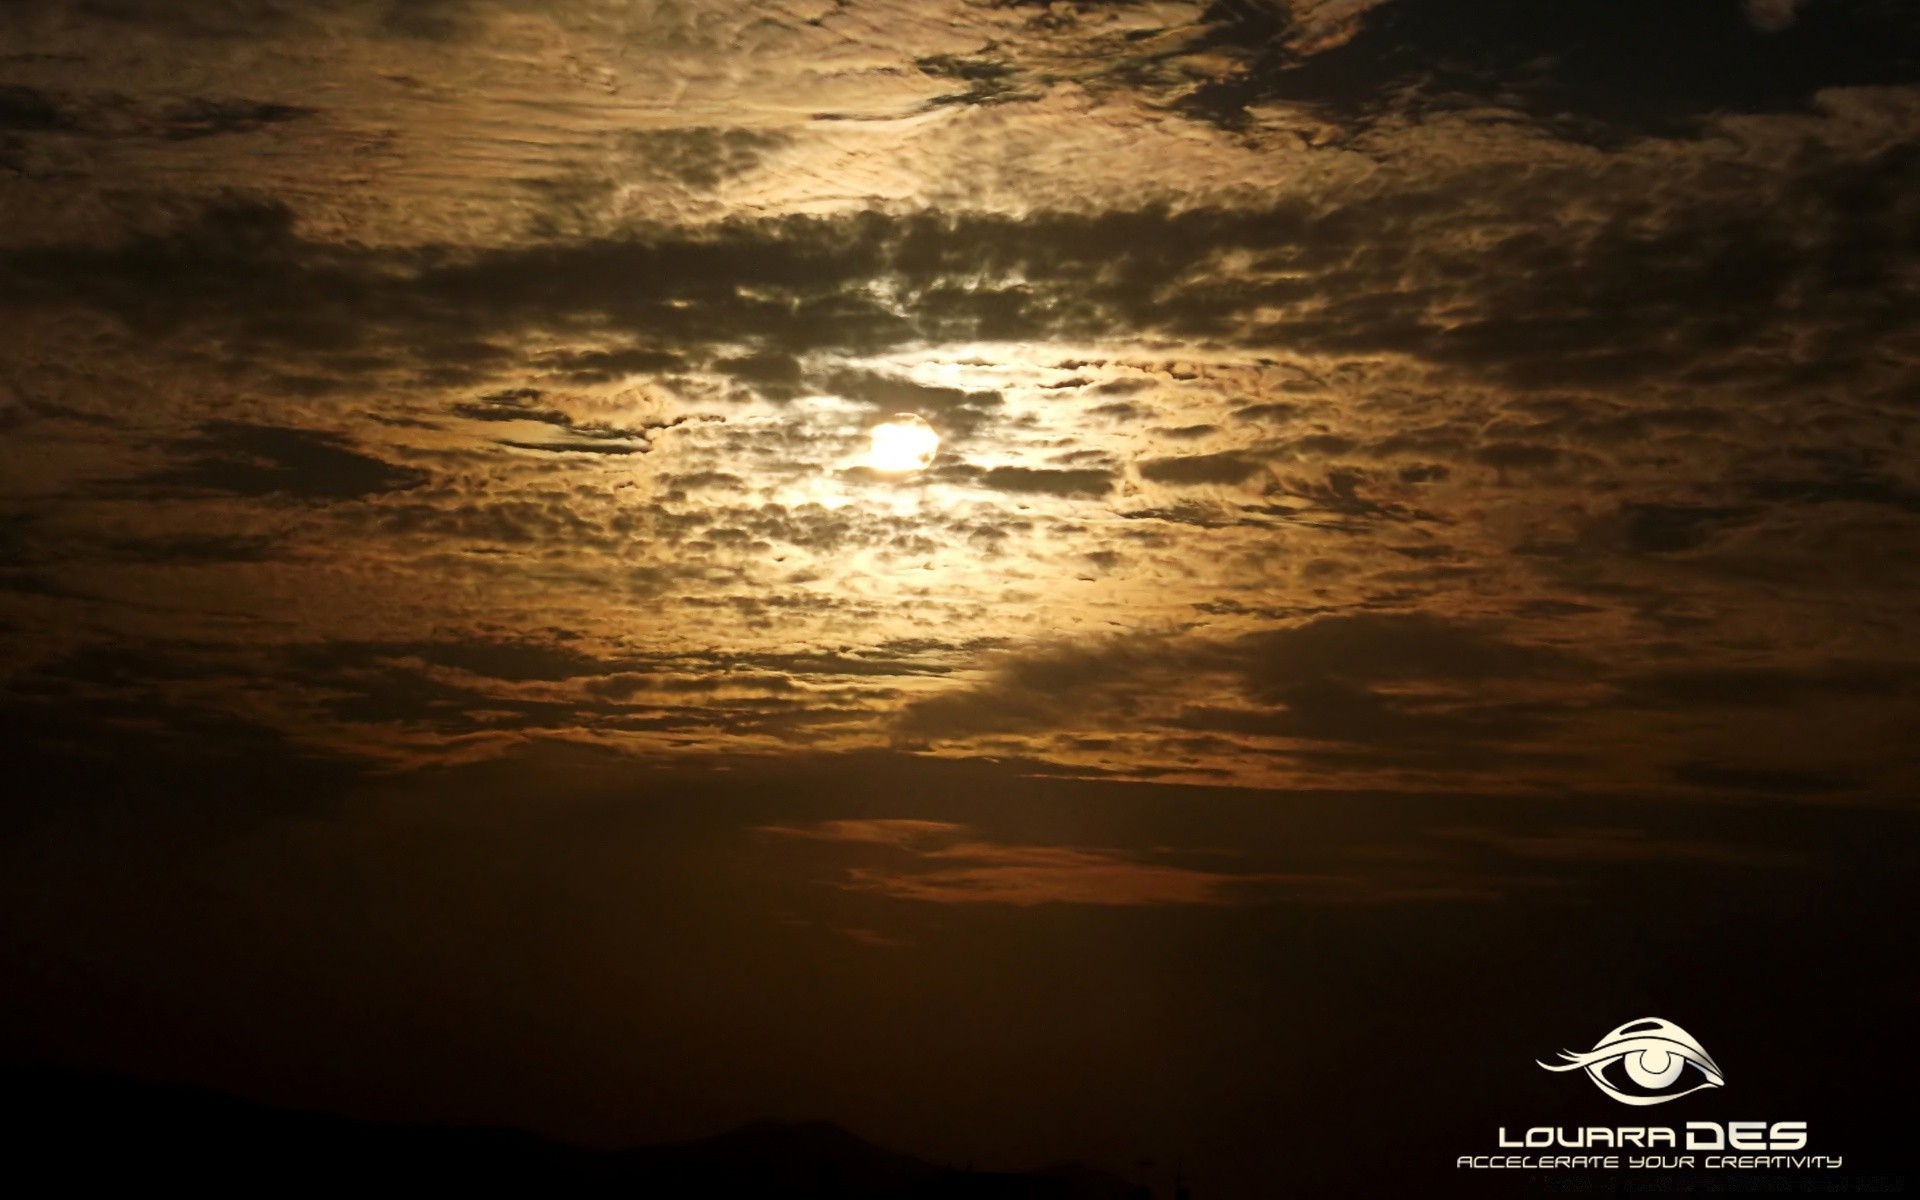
x=942 y=863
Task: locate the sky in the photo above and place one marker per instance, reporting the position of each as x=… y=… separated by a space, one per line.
x=1426 y=492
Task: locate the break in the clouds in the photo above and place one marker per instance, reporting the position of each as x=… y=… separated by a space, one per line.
x=1332 y=394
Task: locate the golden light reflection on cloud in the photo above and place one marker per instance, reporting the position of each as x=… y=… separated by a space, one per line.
x=885 y=367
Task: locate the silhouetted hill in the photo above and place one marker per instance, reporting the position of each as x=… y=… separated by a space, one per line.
x=83 y=1131
x=780 y=1158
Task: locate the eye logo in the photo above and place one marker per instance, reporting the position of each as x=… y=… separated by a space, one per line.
x=1652 y=1055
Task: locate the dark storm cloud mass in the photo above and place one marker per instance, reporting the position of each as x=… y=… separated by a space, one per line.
x=1600 y=69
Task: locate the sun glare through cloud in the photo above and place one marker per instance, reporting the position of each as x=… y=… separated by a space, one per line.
x=902 y=444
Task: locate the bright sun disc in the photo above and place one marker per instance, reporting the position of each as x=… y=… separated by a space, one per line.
x=903 y=442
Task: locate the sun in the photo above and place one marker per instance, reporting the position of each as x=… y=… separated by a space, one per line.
x=902 y=443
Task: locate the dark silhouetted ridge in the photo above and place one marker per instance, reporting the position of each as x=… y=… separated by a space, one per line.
x=81 y=1131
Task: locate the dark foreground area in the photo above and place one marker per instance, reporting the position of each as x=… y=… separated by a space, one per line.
x=76 y=1131
x=437 y=972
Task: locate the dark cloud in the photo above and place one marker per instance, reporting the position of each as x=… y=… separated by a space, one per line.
x=1448 y=735
x=193 y=549
x=582 y=437
x=1673 y=528
x=516 y=404
x=1645 y=293
x=1382 y=646
x=1049 y=482
x=1599 y=69
x=1770 y=781
x=944 y=863
x=270 y=460
x=1276 y=411
x=1518 y=455
x=1842 y=482
x=1622 y=845
x=1188 y=433
x=779 y=372
x=986 y=80
x=32 y=110
x=1771 y=686
x=1192 y=470
x=514 y=662
x=1054 y=687
x=452 y=687
x=601 y=366
x=700 y=156
x=236 y=19
x=1332 y=679
x=206 y=118
x=950 y=409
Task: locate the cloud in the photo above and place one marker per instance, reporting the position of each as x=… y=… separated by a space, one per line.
x=267 y=460
x=1770 y=686
x=1628 y=364
x=1675 y=528
x=191 y=548
x=1622 y=845
x=981 y=873
x=950 y=409
x=941 y=867
x=32 y=110
x=1705 y=277
x=879 y=832
x=1193 y=470
x=580 y=437
x=1056 y=686
x=1619 y=67
x=1394 y=646
x=1772 y=15
x=1048 y=481
x=701 y=157
x=602 y=366
x=1771 y=781
x=1412 y=689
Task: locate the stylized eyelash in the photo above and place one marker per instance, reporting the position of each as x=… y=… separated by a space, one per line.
x=1654 y=1052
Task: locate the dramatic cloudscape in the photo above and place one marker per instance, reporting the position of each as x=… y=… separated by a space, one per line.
x=1399 y=462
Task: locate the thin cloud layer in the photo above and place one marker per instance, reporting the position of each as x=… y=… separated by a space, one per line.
x=939 y=863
